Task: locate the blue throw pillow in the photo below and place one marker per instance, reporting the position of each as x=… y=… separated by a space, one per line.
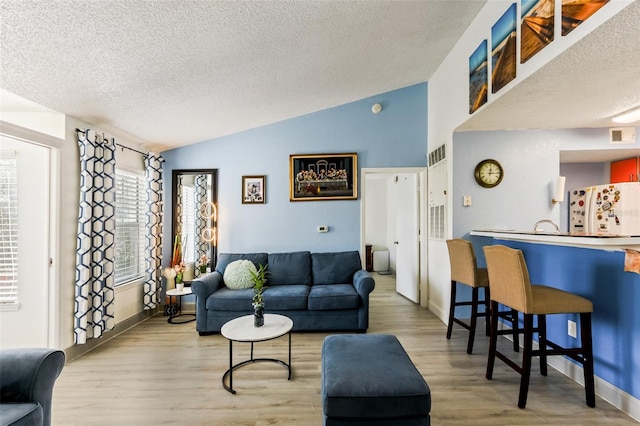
x=335 y=268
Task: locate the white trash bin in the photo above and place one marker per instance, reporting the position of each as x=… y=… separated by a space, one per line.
x=381 y=260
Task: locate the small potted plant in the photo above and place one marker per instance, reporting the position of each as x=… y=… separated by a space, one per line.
x=259 y=279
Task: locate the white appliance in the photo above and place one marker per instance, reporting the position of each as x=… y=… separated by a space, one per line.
x=612 y=209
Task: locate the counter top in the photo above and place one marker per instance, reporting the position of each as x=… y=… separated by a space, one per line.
x=593 y=241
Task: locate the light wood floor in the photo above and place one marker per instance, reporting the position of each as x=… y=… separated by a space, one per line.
x=163 y=374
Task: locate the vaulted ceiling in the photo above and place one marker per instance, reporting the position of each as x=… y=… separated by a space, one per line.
x=171 y=73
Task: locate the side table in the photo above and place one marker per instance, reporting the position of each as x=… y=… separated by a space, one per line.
x=173 y=314
x=242 y=330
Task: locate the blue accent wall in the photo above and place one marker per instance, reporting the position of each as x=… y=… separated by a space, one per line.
x=599 y=276
x=396 y=137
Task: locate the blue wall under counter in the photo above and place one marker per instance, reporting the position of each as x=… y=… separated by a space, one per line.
x=599 y=276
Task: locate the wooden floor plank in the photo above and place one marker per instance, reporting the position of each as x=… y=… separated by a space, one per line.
x=163 y=374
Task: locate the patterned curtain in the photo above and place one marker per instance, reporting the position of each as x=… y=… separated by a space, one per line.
x=201 y=191
x=153 y=281
x=94 y=295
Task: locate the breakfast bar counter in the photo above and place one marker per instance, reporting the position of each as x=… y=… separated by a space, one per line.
x=592 y=267
x=593 y=241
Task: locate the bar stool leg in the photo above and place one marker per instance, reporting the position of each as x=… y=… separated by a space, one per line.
x=487 y=310
x=452 y=309
x=542 y=343
x=587 y=355
x=474 y=319
x=526 y=360
x=515 y=327
x=493 y=339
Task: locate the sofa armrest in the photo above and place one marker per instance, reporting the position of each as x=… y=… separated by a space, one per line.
x=207 y=285
x=203 y=288
x=28 y=375
x=363 y=282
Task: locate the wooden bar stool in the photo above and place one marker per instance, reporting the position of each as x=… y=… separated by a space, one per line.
x=464 y=270
x=510 y=285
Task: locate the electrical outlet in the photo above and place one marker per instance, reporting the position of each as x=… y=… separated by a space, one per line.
x=571 y=329
x=323 y=228
x=466 y=201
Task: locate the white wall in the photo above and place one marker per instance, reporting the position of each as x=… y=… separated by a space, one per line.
x=376 y=208
x=24 y=113
x=448 y=108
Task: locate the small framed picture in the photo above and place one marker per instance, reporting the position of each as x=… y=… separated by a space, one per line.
x=254 y=190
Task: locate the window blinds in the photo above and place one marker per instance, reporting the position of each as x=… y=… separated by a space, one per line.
x=8 y=228
x=130 y=226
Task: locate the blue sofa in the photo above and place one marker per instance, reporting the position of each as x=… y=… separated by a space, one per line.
x=27 y=377
x=318 y=291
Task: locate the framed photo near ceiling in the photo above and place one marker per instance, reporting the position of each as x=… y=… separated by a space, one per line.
x=503 y=50
x=575 y=12
x=254 y=190
x=478 y=77
x=536 y=27
x=319 y=177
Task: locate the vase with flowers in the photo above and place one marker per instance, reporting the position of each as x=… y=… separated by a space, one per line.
x=179 y=268
x=203 y=264
x=259 y=278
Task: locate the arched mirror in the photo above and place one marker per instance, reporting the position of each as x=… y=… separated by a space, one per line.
x=195 y=217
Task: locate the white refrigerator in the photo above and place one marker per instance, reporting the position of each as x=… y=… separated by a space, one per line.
x=612 y=209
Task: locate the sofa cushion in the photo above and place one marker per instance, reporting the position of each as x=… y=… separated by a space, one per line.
x=22 y=413
x=237 y=274
x=226 y=258
x=286 y=297
x=289 y=268
x=335 y=268
x=324 y=297
x=227 y=299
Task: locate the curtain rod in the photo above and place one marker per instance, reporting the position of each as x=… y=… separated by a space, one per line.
x=122 y=147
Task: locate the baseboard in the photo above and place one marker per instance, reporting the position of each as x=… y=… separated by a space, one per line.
x=438 y=312
x=77 y=351
x=605 y=390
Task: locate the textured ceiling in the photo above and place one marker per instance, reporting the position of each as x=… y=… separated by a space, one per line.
x=174 y=72
x=170 y=73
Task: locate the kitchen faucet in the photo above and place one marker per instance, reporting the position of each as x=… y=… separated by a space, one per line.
x=555 y=225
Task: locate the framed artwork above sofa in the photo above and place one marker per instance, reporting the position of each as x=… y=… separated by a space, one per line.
x=317 y=177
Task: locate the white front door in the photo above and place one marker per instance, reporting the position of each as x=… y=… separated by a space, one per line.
x=407 y=236
x=25 y=323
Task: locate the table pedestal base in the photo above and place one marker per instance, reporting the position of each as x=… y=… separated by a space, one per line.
x=229 y=372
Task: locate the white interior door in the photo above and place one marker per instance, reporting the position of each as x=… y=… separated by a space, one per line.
x=26 y=323
x=407 y=236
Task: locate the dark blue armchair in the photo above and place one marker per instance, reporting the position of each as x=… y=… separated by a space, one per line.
x=26 y=385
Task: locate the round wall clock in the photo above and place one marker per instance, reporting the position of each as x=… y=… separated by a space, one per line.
x=489 y=173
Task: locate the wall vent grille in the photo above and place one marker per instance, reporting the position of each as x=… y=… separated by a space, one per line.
x=437 y=222
x=437 y=155
x=622 y=135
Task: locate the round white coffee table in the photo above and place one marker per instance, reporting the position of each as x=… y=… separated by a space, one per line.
x=242 y=330
x=186 y=291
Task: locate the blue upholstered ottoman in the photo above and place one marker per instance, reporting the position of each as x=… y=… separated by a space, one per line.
x=368 y=379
